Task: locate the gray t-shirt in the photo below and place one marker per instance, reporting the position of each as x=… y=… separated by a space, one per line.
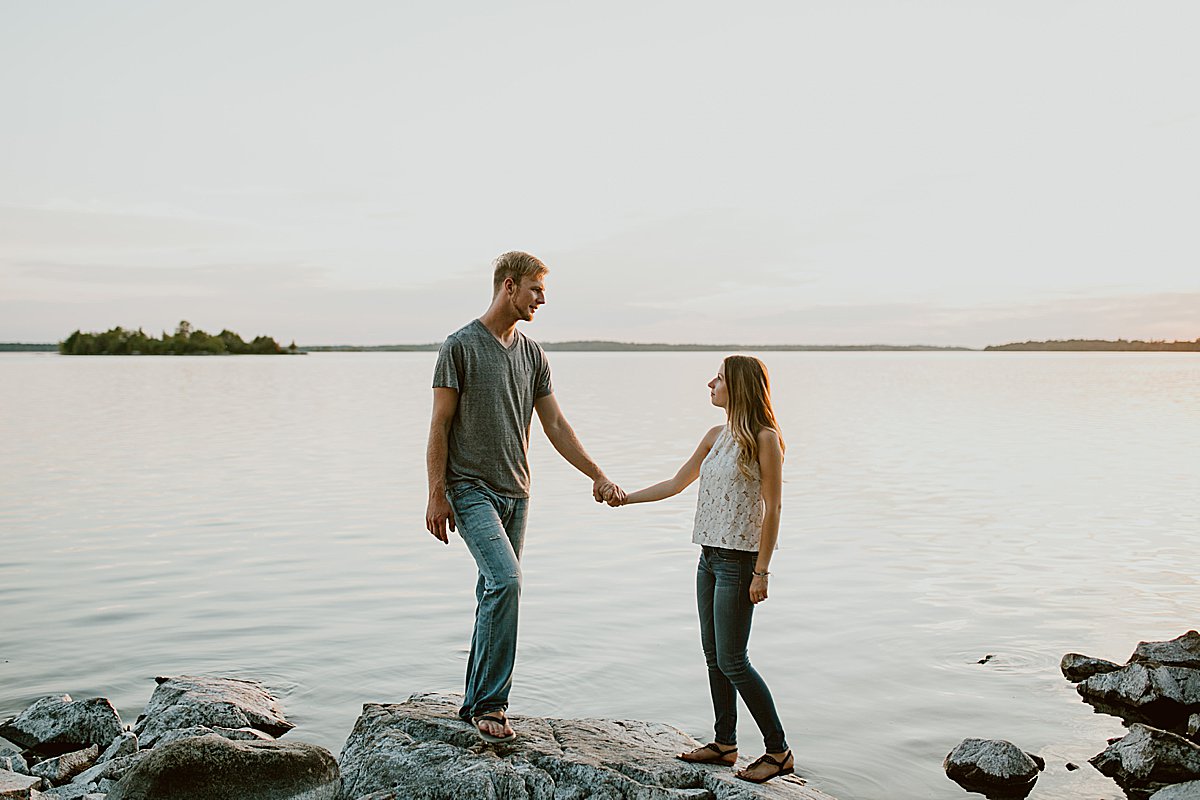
x=489 y=437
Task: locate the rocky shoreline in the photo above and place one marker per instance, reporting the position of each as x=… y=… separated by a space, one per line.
x=212 y=738
x=1156 y=694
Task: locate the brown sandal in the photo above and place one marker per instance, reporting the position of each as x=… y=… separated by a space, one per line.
x=487 y=737
x=780 y=769
x=711 y=753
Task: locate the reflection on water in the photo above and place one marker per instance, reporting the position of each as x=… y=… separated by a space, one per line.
x=263 y=517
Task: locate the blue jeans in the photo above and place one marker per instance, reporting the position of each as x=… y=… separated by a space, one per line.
x=723 y=599
x=493 y=527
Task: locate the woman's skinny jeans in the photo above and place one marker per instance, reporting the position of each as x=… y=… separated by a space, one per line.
x=723 y=599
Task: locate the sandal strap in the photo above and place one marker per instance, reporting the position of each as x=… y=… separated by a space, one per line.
x=488 y=718
x=765 y=758
x=716 y=748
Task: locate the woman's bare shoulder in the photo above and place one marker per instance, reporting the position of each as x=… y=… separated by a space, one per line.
x=769 y=441
x=711 y=436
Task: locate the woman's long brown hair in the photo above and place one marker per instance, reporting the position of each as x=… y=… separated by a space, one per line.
x=750 y=409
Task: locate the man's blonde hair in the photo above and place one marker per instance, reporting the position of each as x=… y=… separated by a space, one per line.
x=516 y=265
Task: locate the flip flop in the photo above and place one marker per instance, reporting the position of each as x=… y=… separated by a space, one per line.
x=780 y=769
x=718 y=755
x=487 y=737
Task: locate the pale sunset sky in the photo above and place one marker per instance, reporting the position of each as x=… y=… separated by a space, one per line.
x=945 y=172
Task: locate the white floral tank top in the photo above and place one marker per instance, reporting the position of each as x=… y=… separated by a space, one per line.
x=729 y=508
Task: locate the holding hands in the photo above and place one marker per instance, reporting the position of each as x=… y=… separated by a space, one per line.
x=605 y=491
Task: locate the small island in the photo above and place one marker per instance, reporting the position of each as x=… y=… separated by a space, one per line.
x=186 y=341
x=1102 y=345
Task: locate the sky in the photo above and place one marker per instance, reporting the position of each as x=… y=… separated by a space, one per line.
x=947 y=172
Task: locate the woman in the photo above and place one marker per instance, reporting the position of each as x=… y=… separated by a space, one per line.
x=740 y=467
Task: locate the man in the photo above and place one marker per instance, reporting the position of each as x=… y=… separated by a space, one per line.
x=488 y=381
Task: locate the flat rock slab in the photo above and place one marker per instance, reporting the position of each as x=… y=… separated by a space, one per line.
x=1149 y=759
x=189 y=701
x=56 y=725
x=61 y=769
x=215 y=768
x=421 y=749
x=15 y=786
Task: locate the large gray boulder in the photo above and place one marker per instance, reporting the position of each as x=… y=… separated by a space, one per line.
x=995 y=767
x=1182 y=651
x=421 y=750
x=215 y=768
x=1076 y=667
x=187 y=701
x=1149 y=759
x=56 y=725
x=1146 y=691
x=1179 y=791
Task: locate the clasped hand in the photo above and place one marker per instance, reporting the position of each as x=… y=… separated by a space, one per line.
x=605 y=491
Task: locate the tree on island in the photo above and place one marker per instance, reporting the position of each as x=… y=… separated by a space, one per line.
x=186 y=341
x=1120 y=345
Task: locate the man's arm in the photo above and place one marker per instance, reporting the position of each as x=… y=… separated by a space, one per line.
x=562 y=436
x=438 y=513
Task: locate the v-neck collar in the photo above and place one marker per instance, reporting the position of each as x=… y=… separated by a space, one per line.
x=492 y=336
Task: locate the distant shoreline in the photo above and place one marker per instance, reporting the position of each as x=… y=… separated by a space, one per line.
x=640 y=347
x=598 y=346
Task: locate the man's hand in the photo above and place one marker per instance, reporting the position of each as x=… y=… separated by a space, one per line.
x=605 y=491
x=439 y=514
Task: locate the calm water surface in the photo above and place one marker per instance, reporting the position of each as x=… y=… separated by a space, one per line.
x=263 y=517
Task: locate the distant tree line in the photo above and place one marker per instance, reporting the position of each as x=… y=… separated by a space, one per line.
x=184 y=342
x=1134 y=345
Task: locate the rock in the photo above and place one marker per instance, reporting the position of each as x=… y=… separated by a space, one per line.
x=1193 y=726
x=1179 y=791
x=421 y=749
x=124 y=745
x=993 y=766
x=215 y=768
x=1183 y=651
x=1148 y=759
x=111 y=770
x=72 y=791
x=238 y=734
x=1076 y=667
x=1146 y=691
x=186 y=702
x=15 y=786
x=12 y=760
x=61 y=769
x=56 y=725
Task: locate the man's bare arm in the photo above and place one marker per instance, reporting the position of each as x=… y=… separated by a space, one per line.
x=562 y=436
x=438 y=513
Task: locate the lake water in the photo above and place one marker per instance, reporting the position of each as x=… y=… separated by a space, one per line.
x=263 y=517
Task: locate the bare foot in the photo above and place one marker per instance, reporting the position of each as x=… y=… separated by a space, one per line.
x=711 y=753
x=493 y=726
x=768 y=766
